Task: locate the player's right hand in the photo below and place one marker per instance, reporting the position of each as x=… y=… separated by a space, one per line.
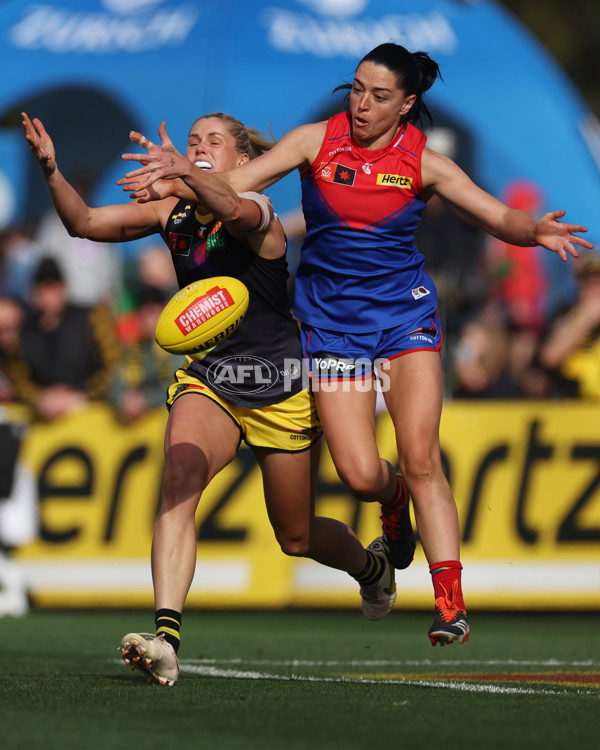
x=40 y=143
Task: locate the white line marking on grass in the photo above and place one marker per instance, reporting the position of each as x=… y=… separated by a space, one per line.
x=210 y=671
x=400 y=663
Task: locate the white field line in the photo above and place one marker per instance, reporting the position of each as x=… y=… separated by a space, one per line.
x=211 y=671
x=400 y=663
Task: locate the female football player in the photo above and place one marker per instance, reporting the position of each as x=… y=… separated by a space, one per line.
x=223 y=233
x=362 y=294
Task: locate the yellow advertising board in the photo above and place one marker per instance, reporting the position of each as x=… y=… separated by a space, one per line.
x=526 y=478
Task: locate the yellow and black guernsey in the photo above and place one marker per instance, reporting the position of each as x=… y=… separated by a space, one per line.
x=260 y=363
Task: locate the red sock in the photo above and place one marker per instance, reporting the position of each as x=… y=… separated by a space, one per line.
x=446 y=582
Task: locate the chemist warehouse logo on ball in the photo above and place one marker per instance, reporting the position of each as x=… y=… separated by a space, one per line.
x=203 y=308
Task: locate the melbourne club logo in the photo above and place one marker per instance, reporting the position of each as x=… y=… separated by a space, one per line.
x=338 y=173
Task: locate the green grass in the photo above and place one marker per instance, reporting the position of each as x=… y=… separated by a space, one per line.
x=63 y=685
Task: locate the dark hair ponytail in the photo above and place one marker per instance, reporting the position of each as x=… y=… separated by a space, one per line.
x=415 y=73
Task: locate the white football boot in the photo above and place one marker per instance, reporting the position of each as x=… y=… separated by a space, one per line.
x=152 y=655
x=378 y=598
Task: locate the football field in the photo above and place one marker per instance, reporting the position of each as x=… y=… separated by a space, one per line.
x=297 y=680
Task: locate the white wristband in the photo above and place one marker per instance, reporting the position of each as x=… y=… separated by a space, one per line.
x=264 y=203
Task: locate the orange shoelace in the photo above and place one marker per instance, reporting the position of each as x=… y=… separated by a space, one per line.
x=445 y=604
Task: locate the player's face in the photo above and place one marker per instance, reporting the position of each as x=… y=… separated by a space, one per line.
x=212 y=147
x=376 y=105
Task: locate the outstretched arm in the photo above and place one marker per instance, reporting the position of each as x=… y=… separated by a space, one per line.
x=250 y=218
x=442 y=177
x=296 y=150
x=117 y=223
x=163 y=163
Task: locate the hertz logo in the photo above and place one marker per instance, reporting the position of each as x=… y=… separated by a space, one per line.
x=395 y=179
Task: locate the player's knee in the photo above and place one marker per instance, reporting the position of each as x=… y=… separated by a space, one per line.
x=181 y=480
x=361 y=481
x=185 y=472
x=420 y=465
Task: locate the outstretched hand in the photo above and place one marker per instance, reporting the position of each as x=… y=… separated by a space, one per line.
x=154 y=192
x=40 y=143
x=162 y=162
x=558 y=237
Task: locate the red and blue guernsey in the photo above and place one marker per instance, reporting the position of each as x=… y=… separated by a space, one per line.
x=360 y=270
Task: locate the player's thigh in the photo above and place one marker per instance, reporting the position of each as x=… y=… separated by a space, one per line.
x=413 y=392
x=290 y=481
x=200 y=438
x=347 y=414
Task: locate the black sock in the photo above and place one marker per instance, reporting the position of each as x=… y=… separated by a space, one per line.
x=168 y=622
x=372 y=571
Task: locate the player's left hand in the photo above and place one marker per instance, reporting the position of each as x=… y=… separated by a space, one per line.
x=154 y=192
x=558 y=237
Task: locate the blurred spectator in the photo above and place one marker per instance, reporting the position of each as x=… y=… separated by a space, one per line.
x=19 y=256
x=12 y=316
x=152 y=268
x=479 y=366
x=519 y=279
x=66 y=352
x=453 y=252
x=570 y=353
x=155 y=268
x=145 y=371
x=93 y=270
x=519 y=286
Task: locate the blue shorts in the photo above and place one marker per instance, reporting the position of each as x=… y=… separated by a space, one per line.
x=332 y=355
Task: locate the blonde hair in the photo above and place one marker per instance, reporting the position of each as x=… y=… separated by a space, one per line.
x=247 y=140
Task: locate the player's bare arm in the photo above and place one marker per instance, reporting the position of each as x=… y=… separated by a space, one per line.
x=251 y=219
x=442 y=177
x=164 y=163
x=106 y=224
x=296 y=150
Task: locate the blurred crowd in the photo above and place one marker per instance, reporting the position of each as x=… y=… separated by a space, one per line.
x=76 y=326
x=77 y=322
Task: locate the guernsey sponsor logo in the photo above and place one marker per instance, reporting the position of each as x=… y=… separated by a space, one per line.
x=397 y=180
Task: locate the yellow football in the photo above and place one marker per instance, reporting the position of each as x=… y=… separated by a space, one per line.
x=201 y=315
